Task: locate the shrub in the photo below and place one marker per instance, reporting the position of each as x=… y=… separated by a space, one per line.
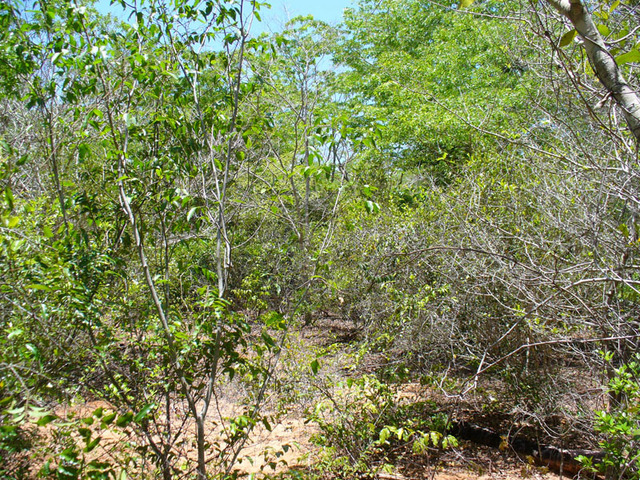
x=620 y=426
x=365 y=429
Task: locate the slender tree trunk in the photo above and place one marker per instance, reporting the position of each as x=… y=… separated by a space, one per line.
x=53 y=156
x=602 y=61
x=200 y=439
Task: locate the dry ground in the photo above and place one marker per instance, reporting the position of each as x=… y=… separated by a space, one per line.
x=286 y=450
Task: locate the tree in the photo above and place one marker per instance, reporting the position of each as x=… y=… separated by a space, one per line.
x=603 y=62
x=298 y=164
x=425 y=74
x=525 y=255
x=145 y=170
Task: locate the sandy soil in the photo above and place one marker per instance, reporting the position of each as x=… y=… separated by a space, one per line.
x=286 y=447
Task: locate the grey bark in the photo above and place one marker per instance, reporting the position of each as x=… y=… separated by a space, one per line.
x=603 y=63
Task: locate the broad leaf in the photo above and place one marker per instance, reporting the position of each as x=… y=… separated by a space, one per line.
x=568 y=37
x=46 y=420
x=315 y=366
x=632 y=56
x=124 y=420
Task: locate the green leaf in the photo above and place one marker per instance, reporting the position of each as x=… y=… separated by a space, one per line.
x=604 y=30
x=371 y=207
x=275 y=320
x=32 y=349
x=124 y=420
x=307 y=171
x=69 y=454
x=108 y=419
x=632 y=56
x=83 y=151
x=142 y=414
x=624 y=230
x=92 y=444
x=450 y=441
x=384 y=435
x=87 y=421
x=15 y=333
x=267 y=425
x=568 y=37
x=268 y=340
x=602 y=14
x=315 y=366
x=8 y=195
x=466 y=3
x=85 y=433
x=46 y=420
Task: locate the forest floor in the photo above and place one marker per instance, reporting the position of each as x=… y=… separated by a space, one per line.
x=287 y=450
x=333 y=340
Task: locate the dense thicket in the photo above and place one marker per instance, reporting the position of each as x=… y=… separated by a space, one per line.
x=178 y=195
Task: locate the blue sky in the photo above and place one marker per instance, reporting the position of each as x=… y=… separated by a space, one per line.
x=282 y=10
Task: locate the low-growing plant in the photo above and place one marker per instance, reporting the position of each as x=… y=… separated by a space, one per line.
x=33 y=439
x=620 y=426
x=364 y=428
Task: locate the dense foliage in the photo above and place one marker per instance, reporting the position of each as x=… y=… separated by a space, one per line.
x=178 y=196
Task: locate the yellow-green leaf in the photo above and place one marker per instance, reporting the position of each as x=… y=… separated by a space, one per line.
x=568 y=37
x=604 y=30
x=315 y=366
x=632 y=56
x=142 y=414
x=466 y=3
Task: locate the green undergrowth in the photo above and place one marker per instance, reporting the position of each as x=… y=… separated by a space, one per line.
x=364 y=428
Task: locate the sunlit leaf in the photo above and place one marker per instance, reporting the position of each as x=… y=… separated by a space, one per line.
x=124 y=420
x=92 y=444
x=632 y=56
x=315 y=366
x=108 y=419
x=142 y=414
x=15 y=333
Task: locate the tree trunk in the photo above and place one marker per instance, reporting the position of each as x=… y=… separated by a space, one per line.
x=602 y=61
x=202 y=464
